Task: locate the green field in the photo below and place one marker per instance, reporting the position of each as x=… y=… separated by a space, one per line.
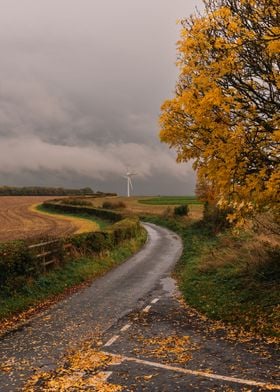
x=170 y=200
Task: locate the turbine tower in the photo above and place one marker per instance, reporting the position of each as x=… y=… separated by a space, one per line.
x=128 y=176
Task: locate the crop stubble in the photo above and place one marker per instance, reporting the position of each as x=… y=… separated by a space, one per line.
x=17 y=221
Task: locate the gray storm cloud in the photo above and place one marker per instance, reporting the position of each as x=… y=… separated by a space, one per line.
x=92 y=160
x=81 y=84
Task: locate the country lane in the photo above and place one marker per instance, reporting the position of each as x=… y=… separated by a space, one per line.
x=41 y=342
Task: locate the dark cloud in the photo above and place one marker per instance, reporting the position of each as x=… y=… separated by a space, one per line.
x=81 y=84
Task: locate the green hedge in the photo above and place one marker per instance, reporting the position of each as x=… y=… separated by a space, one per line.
x=98 y=241
x=74 y=209
x=18 y=263
x=182 y=210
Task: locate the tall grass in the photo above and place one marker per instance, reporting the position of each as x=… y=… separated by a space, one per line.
x=233 y=278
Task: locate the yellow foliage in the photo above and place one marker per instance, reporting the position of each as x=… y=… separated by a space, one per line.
x=83 y=372
x=172 y=348
x=225 y=112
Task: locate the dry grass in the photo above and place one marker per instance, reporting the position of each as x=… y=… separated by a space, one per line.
x=248 y=255
x=134 y=207
x=267 y=227
x=229 y=277
x=249 y=251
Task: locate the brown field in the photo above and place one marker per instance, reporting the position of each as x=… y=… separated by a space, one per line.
x=19 y=221
x=133 y=206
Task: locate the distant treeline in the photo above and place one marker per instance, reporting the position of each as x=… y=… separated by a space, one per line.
x=42 y=191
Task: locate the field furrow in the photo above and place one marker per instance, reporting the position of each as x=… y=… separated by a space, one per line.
x=18 y=221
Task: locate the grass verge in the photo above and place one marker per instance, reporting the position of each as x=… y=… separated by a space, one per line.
x=101 y=223
x=73 y=273
x=230 y=278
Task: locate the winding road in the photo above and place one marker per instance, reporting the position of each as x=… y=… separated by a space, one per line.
x=41 y=342
x=133 y=314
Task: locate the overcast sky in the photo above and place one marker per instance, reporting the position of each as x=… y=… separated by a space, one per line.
x=81 y=85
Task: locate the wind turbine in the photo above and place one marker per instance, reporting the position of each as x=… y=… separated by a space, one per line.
x=128 y=176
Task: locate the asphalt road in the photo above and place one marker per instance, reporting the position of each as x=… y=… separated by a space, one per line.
x=40 y=343
x=136 y=314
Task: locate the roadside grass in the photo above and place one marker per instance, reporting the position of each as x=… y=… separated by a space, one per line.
x=170 y=200
x=101 y=223
x=73 y=272
x=232 y=278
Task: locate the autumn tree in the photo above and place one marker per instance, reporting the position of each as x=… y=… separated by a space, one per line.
x=225 y=114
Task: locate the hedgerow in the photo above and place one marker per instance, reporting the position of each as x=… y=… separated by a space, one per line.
x=16 y=264
x=19 y=263
x=98 y=241
x=112 y=216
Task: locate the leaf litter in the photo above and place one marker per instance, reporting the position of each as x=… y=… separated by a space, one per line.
x=82 y=370
x=171 y=348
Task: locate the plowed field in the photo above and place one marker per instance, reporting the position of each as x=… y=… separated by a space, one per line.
x=17 y=221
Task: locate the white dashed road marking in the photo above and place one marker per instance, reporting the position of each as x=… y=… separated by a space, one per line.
x=106 y=375
x=147 y=308
x=154 y=301
x=125 y=328
x=111 y=341
x=198 y=373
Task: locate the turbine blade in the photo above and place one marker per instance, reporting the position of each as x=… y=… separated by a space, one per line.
x=130 y=183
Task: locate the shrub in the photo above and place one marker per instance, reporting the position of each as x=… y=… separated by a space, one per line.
x=72 y=209
x=182 y=210
x=125 y=229
x=113 y=205
x=93 y=242
x=215 y=218
x=16 y=264
x=268 y=269
x=77 y=202
x=96 y=242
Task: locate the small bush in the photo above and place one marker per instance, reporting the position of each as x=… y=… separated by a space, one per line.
x=16 y=264
x=182 y=210
x=93 y=242
x=77 y=202
x=268 y=269
x=96 y=242
x=109 y=205
x=214 y=218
